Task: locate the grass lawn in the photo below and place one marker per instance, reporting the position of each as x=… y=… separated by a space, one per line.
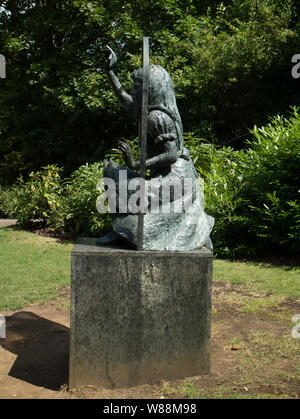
x=253 y=352
x=260 y=277
x=32 y=268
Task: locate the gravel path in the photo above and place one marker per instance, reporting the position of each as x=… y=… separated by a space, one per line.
x=7 y=222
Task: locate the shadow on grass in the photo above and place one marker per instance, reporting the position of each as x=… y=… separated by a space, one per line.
x=14 y=227
x=42 y=349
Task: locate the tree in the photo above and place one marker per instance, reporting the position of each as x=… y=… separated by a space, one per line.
x=230 y=63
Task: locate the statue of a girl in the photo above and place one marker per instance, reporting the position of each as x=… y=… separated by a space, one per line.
x=179 y=222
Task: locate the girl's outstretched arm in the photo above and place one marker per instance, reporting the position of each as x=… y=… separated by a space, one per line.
x=124 y=98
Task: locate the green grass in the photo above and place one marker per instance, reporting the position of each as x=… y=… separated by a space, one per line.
x=259 y=277
x=32 y=268
x=265 y=350
x=186 y=388
x=266 y=361
x=264 y=358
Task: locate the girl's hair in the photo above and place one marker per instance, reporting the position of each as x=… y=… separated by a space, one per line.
x=161 y=91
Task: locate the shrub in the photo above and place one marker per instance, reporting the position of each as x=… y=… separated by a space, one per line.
x=254 y=194
x=273 y=184
x=36 y=199
x=67 y=205
x=78 y=213
x=8 y=200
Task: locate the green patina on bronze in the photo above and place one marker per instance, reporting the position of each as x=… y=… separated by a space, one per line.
x=167 y=160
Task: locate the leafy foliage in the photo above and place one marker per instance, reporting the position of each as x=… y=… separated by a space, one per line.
x=67 y=205
x=36 y=199
x=230 y=62
x=254 y=194
x=78 y=213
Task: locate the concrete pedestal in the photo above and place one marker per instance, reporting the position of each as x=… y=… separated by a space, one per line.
x=138 y=316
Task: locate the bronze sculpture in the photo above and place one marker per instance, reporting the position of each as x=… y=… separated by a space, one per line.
x=169 y=163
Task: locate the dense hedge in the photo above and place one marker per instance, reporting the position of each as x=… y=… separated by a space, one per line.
x=254 y=193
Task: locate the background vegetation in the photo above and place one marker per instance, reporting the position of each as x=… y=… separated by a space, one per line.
x=231 y=66
x=230 y=62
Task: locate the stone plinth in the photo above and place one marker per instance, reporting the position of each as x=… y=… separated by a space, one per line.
x=138 y=316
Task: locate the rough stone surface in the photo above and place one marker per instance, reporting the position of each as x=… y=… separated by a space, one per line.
x=138 y=316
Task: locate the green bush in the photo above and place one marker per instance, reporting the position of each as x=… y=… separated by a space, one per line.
x=273 y=184
x=36 y=199
x=9 y=197
x=254 y=194
x=78 y=213
x=67 y=205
